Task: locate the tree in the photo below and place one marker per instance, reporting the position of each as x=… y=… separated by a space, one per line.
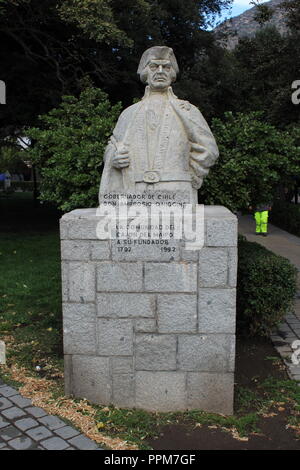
x=69 y=146
x=292 y=8
x=263 y=12
x=54 y=44
x=255 y=158
x=266 y=67
x=10 y=159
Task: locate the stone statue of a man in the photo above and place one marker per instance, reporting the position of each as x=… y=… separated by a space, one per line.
x=160 y=142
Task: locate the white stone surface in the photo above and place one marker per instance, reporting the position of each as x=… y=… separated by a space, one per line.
x=221 y=227
x=145 y=325
x=161 y=391
x=213 y=267
x=206 y=353
x=211 y=392
x=115 y=337
x=124 y=390
x=77 y=250
x=119 y=277
x=126 y=305
x=155 y=352
x=79 y=327
x=82 y=282
x=100 y=250
x=157 y=335
x=91 y=378
x=161 y=142
x=217 y=310
x=177 y=313
x=171 y=277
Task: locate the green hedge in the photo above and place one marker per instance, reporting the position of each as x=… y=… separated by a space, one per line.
x=266 y=289
x=286 y=216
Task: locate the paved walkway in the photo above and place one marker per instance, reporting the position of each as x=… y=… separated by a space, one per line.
x=287 y=245
x=26 y=427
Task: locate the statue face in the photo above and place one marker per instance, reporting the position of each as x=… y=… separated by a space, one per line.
x=160 y=74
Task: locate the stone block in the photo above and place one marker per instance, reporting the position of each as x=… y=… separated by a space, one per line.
x=177 y=313
x=22 y=443
x=232 y=266
x=189 y=255
x=64 y=228
x=5 y=403
x=82 y=282
x=145 y=252
x=13 y=413
x=171 y=277
x=7 y=391
x=124 y=390
x=122 y=365
x=213 y=267
x=210 y=392
x=79 y=326
x=39 y=433
x=52 y=422
x=20 y=401
x=66 y=432
x=65 y=280
x=36 y=411
x=26 y=423
x=161 y=391
x=83 y=230
x=83 y=443
x=75 y=250
x=55 y=443
x=206 y=353
x=68 y=371
x=100 y=250
x=155 y=352
x=217 y=310
x=149 y=327
x=91 y=379
x=9 y=433
x=145 y=325
x=126 y=305
x=118 y=277
x=115 y=337
x=221 y=227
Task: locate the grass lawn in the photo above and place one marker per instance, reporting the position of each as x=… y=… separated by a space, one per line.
x=267 y=404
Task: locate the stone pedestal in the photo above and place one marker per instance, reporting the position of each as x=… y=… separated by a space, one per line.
x=148 y=331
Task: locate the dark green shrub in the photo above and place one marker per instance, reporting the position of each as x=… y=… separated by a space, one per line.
x=266 y=288
x=69 y=147
x=286 y=216
x=255 y=158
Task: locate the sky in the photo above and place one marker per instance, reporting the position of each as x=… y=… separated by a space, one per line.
x=238 y=7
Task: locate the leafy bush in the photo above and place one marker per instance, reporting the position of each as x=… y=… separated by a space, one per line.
x=254 y=158
x=266 y=288
x=69 y=147
x=286 y=216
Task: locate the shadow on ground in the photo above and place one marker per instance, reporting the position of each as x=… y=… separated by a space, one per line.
x=256 y=362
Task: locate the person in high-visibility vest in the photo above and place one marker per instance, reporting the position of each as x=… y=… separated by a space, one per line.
x=261 y=215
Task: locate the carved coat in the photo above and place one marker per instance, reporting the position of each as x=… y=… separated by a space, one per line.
x=168 y=141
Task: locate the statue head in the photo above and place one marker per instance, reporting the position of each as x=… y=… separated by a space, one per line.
x=158 y=67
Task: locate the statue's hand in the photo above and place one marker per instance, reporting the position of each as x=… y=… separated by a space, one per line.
x=121 y=158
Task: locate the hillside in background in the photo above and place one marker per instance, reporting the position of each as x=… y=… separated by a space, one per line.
x=245 y=25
